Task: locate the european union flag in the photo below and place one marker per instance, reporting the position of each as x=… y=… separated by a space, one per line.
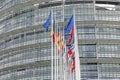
x=69 y=26
x=48 y=22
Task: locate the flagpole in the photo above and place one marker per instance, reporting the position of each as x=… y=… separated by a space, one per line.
x=49 y=22
x=77 y=59
x=52 y=51
x=57 y=57
x=63 y=65
x=55 y=52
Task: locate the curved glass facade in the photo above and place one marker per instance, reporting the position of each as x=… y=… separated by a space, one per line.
x=25 y=48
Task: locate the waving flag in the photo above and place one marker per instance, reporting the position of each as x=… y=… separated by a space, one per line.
x=53 y=32
x=57 y=40
x=70 y=58
x=69 y=25
x=72 y=67
x=69 y=31
x=71 y=38
x=63 y=46
x=48 y=22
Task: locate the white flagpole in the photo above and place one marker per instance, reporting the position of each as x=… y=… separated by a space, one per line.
x=77 y=59
x=63 y=64
x=52 y=51
x=63 y=4
x=55 y=61
x=52 y=48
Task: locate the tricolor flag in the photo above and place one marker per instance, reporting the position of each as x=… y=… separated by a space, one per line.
x=57 y=40
x=48 y=22
x=52 y=34
x=63 y=46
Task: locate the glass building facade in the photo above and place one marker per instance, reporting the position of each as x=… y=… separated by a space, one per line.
x=25 y=47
